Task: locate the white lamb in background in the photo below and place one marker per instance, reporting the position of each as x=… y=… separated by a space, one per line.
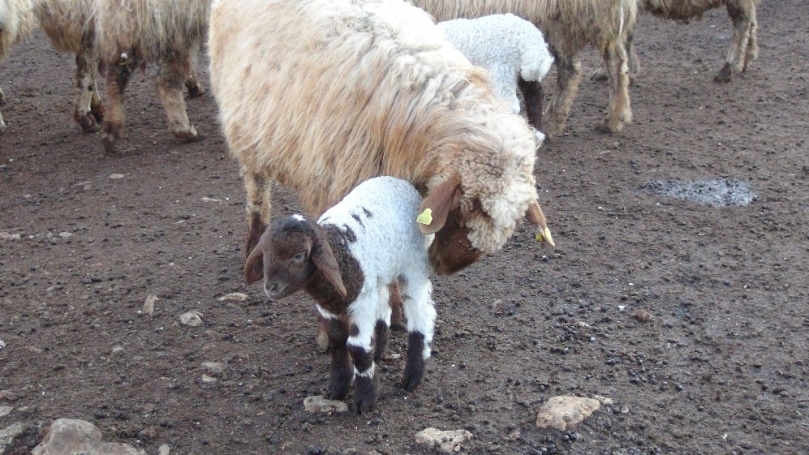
x=509 y=48
x=345 y=262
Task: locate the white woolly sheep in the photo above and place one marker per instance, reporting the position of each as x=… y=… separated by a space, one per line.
x=568 y=25
x=16 y=22
x=134 y=33
x=320 y=95
x=743 y=46
x=345 y=262
x=510 y=48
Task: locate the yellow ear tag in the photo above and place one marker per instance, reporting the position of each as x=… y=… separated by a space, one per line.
x=425 y=217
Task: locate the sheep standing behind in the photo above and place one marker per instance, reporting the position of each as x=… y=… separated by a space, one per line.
x=568 y=25
x=133 y=33
x=511 y=49
x=345 y=262
x=743 y=46
x=320 y=95
x=16 y=22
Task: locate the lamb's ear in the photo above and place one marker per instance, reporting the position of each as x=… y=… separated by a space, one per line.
x=535 y=216
x=323 y=258
x=254 y=266
x=436 y=206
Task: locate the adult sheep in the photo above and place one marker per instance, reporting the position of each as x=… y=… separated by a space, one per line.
x=16 y=22
x=133 y=33
x=71 y=27
x=568 y=25
x=320 y=95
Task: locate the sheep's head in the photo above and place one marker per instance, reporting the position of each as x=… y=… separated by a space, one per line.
x=464 y=229
x=291 y=251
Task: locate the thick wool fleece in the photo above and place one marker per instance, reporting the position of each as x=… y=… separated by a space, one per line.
x=507 y=46
x=320 y=95
x=16 y=22
x=381 y=214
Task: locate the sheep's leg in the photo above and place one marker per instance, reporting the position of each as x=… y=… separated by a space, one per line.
x=383 y=316
x=362 y=320
x=615 y=61
x=173 y=73
x=397 y=317
x=87 y=111
x=2 y=102
x=420 y=314
x=532 y=94
x=752 y=43
x=259 y=204
x=743 y=15
x=195 y=89
x=633 y=63
x=568 y=76
x=341 y=373
x=117 y=77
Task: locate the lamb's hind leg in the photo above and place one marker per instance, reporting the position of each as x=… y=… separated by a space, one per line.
x=420 y=314
x=87 y=109
x=568 y=77
x=620 y=113
x=2 y=123
x=743 y=15
x=173 y=73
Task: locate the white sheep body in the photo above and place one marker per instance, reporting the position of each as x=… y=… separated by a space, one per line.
x=16 y=22
x=508 y=47
x=382 y=213
x=568 y=26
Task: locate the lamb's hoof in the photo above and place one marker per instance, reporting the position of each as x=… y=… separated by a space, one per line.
x=399 y=326
x=552 y=129
x=609 y=127
x=196 y=92
x=98 y=113
x=364 y=395
x=88 y=122
x=412 y=376
x=724 y=75
x=2 y=98
x=2 y=128
x=599 y=75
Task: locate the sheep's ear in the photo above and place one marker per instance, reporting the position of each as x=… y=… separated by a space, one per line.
x=436 y=206
x=254 y=266
x=323 y=258
x=535 y=216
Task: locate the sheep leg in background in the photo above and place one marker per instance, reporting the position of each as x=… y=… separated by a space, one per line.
x=170 y=81
x=195 y=89
x=532 y=95
x=381 y=328
x=620 y=113
x=568 y=77
x=2 y=102
x=744 y=29
x=117 y=77
x=88 y=111
x=341 y=373
x=259 y=202
x=420 y=314
x=361 y=329
x=600 y=73
x=397 y=317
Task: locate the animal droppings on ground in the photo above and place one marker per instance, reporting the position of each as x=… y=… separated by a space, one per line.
x=717 y=192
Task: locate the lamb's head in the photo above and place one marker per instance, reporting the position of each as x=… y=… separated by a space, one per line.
x=290 y=252
x=477 y=208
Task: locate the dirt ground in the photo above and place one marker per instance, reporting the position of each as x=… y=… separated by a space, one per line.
x=692 y=318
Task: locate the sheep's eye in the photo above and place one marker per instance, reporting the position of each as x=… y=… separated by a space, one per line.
x=299 y=257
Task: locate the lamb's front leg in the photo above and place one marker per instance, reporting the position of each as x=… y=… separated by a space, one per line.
x=362 y=323
x=420 y=314
x=341 y=373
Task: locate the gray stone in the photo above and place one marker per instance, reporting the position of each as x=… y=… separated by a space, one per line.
x=319 y=404
x=564 y=412
x=77 y=437
x=445 y=441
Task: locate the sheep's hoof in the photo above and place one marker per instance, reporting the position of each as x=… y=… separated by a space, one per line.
x=609 y=127
x=724 y=75
x=98 y=113
x=2 y=128
x=109 y=144
x=189 y=135
x=364 y=395
x=599 y=75
x=87 y=122
x=195 y=91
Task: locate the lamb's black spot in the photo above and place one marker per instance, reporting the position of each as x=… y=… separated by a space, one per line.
x=349 y=233
x=358 y=219
x=367 y=212
x=354 y=330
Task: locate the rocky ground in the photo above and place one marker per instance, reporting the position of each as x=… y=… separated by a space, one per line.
x=691 y=318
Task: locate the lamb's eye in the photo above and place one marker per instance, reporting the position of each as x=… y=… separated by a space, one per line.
x=299 y=257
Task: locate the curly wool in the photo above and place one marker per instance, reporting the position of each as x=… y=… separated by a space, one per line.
x=507 y=46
